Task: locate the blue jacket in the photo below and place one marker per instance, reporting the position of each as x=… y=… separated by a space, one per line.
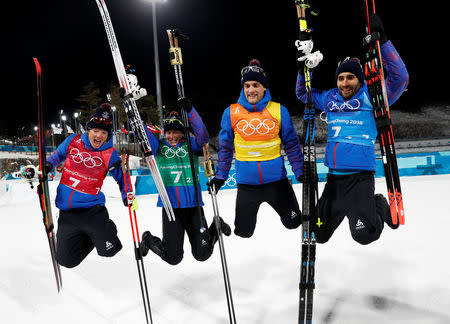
x=259 y=172
x=184 y=196
x=67 y=198
x=351 y=127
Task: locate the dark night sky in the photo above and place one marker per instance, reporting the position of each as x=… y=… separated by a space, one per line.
x=69 y=39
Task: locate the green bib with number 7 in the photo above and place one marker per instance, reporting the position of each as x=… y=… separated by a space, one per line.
x=174 y=165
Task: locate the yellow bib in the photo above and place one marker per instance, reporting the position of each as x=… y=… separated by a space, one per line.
x=256 y=134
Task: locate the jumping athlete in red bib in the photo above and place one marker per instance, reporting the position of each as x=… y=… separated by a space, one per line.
x=83 y=221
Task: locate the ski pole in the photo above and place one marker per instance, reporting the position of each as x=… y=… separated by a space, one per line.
x=209 y=173
x=176 y=60
x=136 y=239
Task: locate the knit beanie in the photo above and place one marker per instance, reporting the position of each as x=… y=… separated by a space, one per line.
x=254 y=72
x=101 y=119
x=351 y=65
x=173 y=122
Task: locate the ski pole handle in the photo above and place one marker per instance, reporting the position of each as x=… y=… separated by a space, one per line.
x=301 y=18
x=302 y=5
x=208 y=164
x=206 y=153
x=174 y=50
x=169 y=34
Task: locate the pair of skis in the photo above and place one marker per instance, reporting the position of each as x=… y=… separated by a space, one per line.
x=373 y=71
x=176 y=60
x=42 y=189
x=132 y=111
x=310 y=195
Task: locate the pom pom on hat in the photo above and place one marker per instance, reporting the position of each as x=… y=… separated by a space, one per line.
x=254 y=62
x=102 y=118
x=105 y=106
x=254 y=72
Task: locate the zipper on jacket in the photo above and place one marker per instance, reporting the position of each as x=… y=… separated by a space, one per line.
x=260 y=174
x=70 y=199
x=334 y=155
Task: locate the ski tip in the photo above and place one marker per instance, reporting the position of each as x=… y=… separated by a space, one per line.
x=37 y=64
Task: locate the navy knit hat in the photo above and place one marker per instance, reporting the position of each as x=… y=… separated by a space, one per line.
x=173 y=122
x=352 y=65
x=102 y=118
x=254 y=72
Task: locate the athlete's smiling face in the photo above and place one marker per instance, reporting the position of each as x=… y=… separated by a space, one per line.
x=97 y=137
x=253 y=91
x=174 y=137
x=348 y=85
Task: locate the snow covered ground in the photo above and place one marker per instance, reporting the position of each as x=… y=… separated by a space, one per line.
x=402 y=278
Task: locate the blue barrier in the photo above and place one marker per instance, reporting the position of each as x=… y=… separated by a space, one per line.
x=19 y=148
x=409 y=165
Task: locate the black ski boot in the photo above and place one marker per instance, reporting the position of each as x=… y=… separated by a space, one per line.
x=383 y=209
x=150 y=242
x=224 y=227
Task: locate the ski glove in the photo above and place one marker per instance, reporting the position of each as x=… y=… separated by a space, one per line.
x=135 y=89
x=215 y=183
x=29 y=171
x=311 y=60
x=48 y=167
x=304 y=47
x=376 y=25
x=134 y=204
x=304 y=55
x=184 y=104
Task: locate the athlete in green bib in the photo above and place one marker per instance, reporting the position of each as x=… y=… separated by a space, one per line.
x=175 y=168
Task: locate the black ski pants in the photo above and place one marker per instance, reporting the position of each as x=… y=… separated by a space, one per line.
x=350 y=196
x=82 y=229
x=192 y=221
x=278 y=194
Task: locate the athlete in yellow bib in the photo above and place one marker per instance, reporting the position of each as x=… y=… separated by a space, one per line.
x=256 y=128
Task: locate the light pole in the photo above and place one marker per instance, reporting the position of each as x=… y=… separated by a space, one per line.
x=36 y=135
x=64 y=118
x=63 y=123
x=156 y=57
x=113 y=108
x=53 y=133
x=75 y=115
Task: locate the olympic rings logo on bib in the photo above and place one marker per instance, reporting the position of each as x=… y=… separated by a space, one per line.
x=170 y=153
x=346 y=105
x=85 y=158
x=255 y=125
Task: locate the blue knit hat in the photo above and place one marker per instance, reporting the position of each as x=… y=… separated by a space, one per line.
x=352 y=65
x=254 y=72
x=173 y=122
x=101 y=119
